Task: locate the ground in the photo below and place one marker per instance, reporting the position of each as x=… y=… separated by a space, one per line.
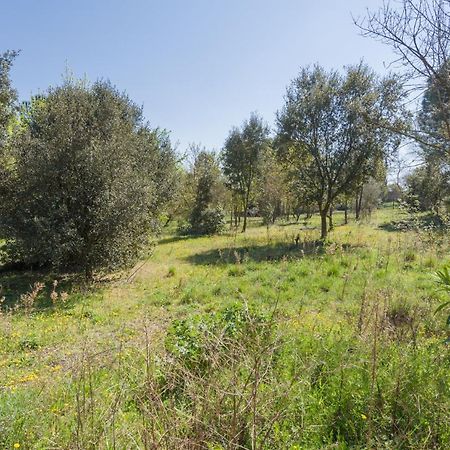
x=357 y=311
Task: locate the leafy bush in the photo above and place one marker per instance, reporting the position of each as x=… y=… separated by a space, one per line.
x=188 y=340
x=220 y=374
x=208 y=221
x=86 y=181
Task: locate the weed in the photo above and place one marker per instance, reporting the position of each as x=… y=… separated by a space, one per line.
x=28 y=299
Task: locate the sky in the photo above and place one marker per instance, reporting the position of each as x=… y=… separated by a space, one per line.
x=198 y=67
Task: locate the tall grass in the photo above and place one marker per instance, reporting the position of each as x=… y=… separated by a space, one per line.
x=238 y=342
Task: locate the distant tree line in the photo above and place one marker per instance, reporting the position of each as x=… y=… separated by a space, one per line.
x=85 y=182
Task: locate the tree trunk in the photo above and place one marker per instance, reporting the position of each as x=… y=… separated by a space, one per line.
x=346 y=213
x=244 y=226
x=358 y=204
x=330 y=219
x=169 y=219
x=324 y=225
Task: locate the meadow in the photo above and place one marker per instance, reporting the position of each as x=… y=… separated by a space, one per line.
x=236 y=341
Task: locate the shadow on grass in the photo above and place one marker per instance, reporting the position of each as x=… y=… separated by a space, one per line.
x=275 y=252
x=299 y=223
x=16 y=283
x=177 y=238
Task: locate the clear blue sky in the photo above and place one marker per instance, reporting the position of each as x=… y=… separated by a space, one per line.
x=197 y=66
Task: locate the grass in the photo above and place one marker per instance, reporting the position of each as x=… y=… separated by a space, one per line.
x=354 y=358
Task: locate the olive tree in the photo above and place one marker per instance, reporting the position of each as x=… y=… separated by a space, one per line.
x=87 y=180
x=333 y=131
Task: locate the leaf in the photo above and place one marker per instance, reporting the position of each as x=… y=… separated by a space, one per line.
x=442 y=306
x=443 y=278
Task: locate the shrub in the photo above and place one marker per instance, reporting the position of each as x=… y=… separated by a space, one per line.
x=209 y=221
x=86 y=181
x=218 y=385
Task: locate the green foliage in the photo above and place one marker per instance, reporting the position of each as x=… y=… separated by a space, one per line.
x=428 y=188
x=87 y=182
x=206 y=216
x=271 y=188
x=8 y=97
x=188 y=339
x=444 y=278
x=370 y=199
x=434 y=115
x=219 y=363
x=172 y=271
x=207 y=221
x=241 y=158
x=333 y=131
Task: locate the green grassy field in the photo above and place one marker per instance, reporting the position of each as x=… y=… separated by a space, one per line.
x=237 y=341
